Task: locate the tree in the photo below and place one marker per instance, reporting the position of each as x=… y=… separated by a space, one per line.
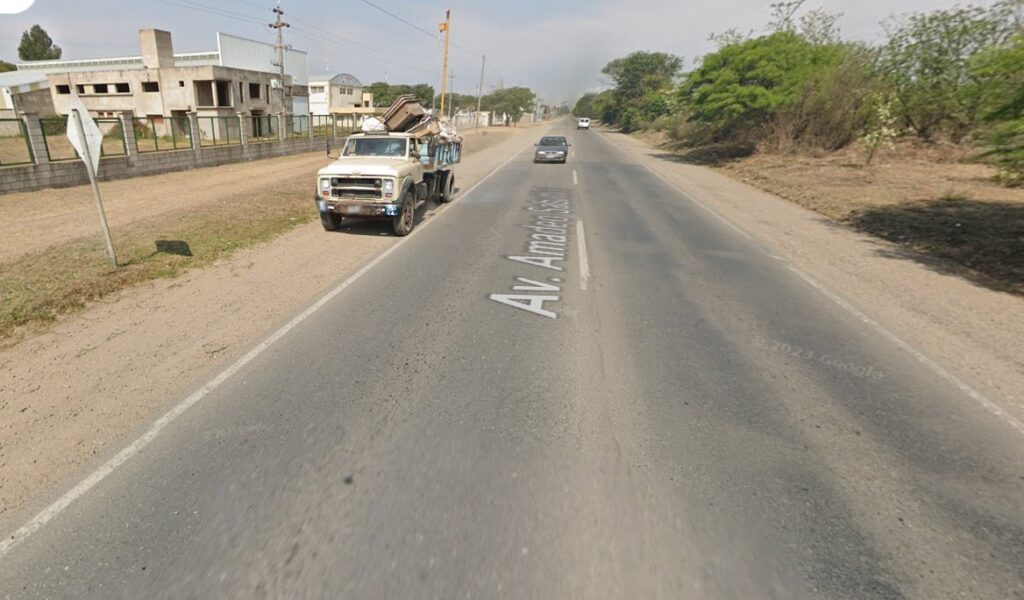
x=742 y=87
x=927 y=62
x=514 y=101
x=642 y=82
x=585 y=106
x=6 y=66
x=1001 y=99
x=384 y=93
x=37 y=45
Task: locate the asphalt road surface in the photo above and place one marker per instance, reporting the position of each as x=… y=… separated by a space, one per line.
x=639 y=403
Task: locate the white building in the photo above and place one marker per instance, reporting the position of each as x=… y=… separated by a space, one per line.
x=338 y=94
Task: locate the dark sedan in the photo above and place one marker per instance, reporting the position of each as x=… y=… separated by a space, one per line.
x=551 y=149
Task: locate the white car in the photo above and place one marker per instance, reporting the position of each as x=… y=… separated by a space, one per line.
x=583 y=123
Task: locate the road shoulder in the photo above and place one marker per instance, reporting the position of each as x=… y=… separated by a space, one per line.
x=974 y=332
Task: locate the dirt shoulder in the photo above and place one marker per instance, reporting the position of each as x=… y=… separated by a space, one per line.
x=66 y=394
x=964 y=323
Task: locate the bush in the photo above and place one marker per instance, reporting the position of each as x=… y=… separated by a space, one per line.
x=740 y=89
x=1000 y=96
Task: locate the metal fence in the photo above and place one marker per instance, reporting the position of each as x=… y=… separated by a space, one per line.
x=264 y=128
x=15 y=147
x=155 y=134
x=297 y=126
x=344 y=125
x=220 y=131
x=323 y=125
x=58 y=146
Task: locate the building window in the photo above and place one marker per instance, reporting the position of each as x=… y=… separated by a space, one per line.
x=241 y=94
x=63 y=89
x=99 y=88
x=254 y=91
x=122 y=88
x=80 y=88
x=150 y=86
x=316 y=89
x=181 y=83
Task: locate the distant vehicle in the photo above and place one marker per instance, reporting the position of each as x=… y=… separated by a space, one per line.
x=583 y=123
x=551 y=149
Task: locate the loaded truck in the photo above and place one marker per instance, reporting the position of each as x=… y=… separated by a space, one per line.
x=390 y=169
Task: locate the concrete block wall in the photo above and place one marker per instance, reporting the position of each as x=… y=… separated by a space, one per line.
x=46 y=174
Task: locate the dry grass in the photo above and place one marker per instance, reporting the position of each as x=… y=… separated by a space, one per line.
x=38 y=287
x=934 y=202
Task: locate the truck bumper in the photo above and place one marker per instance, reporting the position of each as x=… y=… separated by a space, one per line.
x=357 y=209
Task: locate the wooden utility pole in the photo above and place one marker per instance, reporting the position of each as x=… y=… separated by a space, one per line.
x=445 y=28
x=279 y=25
x=451 y=86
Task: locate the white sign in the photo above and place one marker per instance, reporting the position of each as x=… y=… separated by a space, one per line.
x=93 y=137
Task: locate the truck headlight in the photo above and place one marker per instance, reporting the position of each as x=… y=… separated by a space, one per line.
x=389 y=188
x=325 y=187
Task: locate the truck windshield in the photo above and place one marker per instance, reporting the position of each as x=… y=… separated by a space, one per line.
x=374 y=147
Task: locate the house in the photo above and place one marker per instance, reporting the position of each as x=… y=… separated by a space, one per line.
x=241 y=76
x=342 y=96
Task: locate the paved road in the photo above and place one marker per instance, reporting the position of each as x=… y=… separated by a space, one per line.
x=691 y=420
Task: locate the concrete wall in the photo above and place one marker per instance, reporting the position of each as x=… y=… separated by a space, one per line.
x=45 y=174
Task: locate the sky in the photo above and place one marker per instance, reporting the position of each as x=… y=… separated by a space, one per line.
x=557 y=48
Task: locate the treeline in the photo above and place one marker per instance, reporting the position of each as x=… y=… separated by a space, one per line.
x=952 y=75
x=513 y=100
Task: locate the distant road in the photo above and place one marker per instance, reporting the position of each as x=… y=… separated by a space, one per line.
x=573 y=383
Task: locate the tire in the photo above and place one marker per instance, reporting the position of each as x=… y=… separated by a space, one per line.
x=405 y=220
x=330 y=221
x=447 y=189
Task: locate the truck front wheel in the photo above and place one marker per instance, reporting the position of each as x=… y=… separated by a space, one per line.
x=330 y=221
x=405 y=220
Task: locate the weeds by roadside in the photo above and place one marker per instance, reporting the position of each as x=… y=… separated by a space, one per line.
x=39 y=287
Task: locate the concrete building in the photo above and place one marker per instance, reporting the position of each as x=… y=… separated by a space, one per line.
x=24 y=92
x=340 y=95
x=241 y=76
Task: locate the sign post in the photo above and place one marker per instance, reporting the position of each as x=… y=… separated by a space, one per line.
x=87 y=139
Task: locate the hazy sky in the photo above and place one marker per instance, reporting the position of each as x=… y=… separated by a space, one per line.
x=555 y=47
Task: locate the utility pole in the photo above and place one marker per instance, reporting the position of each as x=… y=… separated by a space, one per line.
x=451 y=86
x=279 y=25
x=445 y=28
x=480 y=91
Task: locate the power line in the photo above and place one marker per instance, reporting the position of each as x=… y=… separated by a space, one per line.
x=394 y=16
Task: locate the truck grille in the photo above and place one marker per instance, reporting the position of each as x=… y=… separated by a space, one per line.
x=362 y=188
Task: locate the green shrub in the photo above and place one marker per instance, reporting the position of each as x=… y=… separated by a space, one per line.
x=739 y=89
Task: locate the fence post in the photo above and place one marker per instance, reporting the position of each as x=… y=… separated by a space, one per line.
x=196 y=135
x=131 y=145
x=282 y=135
x=243 y=128
x=309 y=125
x=35 y=137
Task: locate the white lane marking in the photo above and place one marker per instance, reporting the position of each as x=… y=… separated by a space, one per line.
x=575 y=179
x=977 y=396
x=581 y=243
x=936 y=368
x=169 y=417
